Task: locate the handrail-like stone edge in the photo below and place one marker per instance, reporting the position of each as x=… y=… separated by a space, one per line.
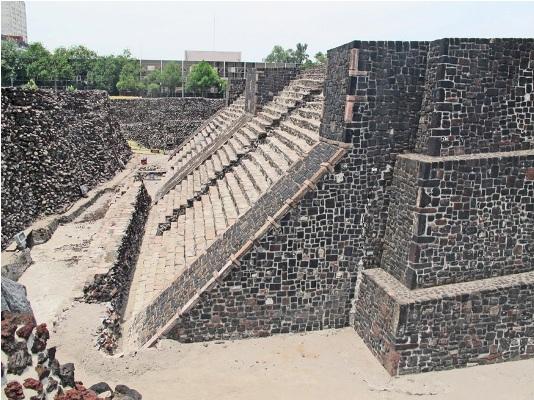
x=197 y=160
x=234 y=259
x=196 y=131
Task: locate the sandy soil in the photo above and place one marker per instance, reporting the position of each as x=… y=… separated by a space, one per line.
x=332 y=364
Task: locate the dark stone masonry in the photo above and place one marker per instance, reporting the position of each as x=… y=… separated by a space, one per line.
x=421 y=236
x=262 y=84
x=163 y=123
x=460 y=218
x=53 y=143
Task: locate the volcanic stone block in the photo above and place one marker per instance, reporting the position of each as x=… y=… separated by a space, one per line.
x=460 y=218
x=481 y=322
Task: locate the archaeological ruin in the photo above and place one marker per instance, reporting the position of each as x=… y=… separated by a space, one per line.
x=390 y=190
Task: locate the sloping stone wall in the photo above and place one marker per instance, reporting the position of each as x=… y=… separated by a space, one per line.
x=52 y=143
x=163 y=123
x=180 y=292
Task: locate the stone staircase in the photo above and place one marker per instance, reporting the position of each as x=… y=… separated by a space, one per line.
x=243 y=146
x=190 y=223
x=207 y=133
x=207 y=210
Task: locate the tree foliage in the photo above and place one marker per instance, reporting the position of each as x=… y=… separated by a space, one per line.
x=203 y=77
x=299 y=55
x=171 y=77
x=130 y=77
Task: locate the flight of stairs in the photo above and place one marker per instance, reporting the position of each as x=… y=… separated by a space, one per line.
x=207 y=133
x=209 y=201
x=243 y=146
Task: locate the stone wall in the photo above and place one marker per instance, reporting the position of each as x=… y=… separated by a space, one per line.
x=373 y=97
x=263 y=84
x=114 y=256
x=457 y=228
x=164 y=308
x=52 y=143
x=479 y=96
x=236 y=87
x=473 y=218
x=480 y=322
x=163 y=123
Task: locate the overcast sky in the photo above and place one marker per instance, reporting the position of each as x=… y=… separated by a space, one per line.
x=165 y=29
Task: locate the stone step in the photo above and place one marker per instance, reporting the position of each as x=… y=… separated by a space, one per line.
x=256 y=175
x=247 y=186
x=240 y=199
x=229 y=206
x=291 y=129
x=218 y=209
x=270 y=173
x=210 y=231
x=306 y=123
x=300 y=146
x=279 y=147
x=274 y=159
x=310 y=112
x=285 y=101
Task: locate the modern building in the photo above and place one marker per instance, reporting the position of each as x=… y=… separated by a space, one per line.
x=216 y=56
x=14 y=21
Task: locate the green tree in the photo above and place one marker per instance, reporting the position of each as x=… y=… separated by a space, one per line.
x=60 y=67
x=171 y=77
x=300 y=54
x=105 y=72
x=38 y=62
x=13 y=67
x=278 y=55
x=320 y=58
x=129 y=78
x=203 y=77
x=153 y=89
x=81 y=60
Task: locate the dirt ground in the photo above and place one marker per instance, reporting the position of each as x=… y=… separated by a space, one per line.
x=331 y=364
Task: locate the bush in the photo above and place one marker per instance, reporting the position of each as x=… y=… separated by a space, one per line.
x=31 y=85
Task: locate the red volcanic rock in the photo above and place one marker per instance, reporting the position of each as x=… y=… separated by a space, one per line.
x=9 y=326
x=34 y=384
x=14 y=391
x=25 y=331
x=78 y=393
x=42 y=332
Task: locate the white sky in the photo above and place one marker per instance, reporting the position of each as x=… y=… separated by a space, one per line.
x=165 y=29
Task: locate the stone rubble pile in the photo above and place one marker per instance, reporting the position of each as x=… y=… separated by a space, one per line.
x=32 y=370
x=53 y=143
x=163 y=123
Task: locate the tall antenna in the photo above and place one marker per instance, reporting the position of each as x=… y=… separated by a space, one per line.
x=213 y=46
